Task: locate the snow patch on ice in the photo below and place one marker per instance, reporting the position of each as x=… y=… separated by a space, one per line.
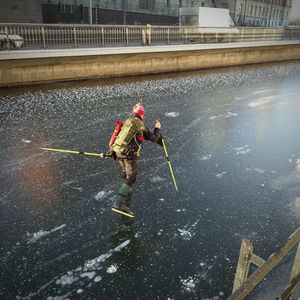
x=102 y=195
x=89 y=268
x=188 y=231
x=26 y=141
x=242 y=150
x=156 y=179
x=213 y=298
x=206 y=157
x=97 y=279
x=61 y=297
x=160 y=232
x=262 y=101
x=257 y=170
x=79 y=291
x=189 y=284
x=220 y=175
x=172 y=114
x=38 y=235
x=262 y=91
x=89 y=275
x=223 y=116
x=112 y=269
x=67 y=279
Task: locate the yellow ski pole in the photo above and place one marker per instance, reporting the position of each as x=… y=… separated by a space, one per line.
x=170 y=166
x=77 y=152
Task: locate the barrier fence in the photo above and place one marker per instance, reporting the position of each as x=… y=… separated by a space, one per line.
x=50 y=36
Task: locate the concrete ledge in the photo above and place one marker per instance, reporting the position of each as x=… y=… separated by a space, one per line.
x=31 y=67
x=21 y=54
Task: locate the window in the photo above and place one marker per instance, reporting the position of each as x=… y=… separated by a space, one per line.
x=189 y=20
x=224 y=5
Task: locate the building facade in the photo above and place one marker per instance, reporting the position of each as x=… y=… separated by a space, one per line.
x=269 y=13
x=131 y=12
x=20 y=11
x=265 y=13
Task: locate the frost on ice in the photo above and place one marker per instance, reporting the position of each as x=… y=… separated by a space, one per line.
x=112 y=269
x=37 y=235
x=172 y=114
x=188 y=284
x=242 y=150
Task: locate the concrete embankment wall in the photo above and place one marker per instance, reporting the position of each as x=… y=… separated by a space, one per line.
x=31 y=67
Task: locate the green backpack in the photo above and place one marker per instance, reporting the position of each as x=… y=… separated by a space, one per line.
x=126 y=136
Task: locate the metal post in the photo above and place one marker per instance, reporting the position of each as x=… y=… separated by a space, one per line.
x=127 y=36
x=91 y=12
x=270 y=15
x=124 y=7
x=102 y=33
x=6 y=40
x=75 y=38
x=245 y=10
x=43 y=37
x=148 y=35
x=96 y=14
x=144 y=37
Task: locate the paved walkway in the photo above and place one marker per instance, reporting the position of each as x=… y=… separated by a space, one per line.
x=41 y=53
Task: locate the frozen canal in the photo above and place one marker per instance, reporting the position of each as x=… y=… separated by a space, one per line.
x=233 y=137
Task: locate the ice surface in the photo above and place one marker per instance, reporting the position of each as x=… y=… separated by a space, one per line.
x=210 y=121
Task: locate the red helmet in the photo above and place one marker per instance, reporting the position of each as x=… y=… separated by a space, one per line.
x=139 y=109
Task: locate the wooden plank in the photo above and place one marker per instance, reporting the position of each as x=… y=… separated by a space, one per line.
x=296 y=265
x=261 y=272
x=258 y=261
x=243 y=265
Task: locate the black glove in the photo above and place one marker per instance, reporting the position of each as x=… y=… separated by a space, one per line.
x=112 y=154
x=159 y=142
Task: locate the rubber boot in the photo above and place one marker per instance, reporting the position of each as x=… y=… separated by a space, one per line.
x=128 y=200
x=123 y=198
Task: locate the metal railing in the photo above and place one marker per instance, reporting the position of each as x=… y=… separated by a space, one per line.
x=50 y=36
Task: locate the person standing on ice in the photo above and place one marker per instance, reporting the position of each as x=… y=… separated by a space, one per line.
x=125 y=146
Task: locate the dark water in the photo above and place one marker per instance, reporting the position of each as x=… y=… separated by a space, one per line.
x=233 y=139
